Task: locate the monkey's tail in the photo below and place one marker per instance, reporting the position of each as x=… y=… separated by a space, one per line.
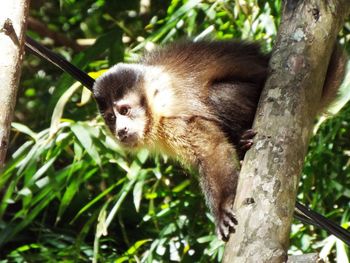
x=40 y=51
x=334 y=77
x=310 y=217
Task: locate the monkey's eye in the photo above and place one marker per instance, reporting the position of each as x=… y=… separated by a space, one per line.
x=110 y=118
x=124 y=110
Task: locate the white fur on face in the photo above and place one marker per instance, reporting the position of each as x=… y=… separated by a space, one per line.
x=135 y=121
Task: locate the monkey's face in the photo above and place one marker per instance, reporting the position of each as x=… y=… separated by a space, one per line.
x=119 y=96
x=126 y=118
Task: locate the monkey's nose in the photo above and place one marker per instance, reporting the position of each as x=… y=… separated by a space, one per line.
x=122 y=133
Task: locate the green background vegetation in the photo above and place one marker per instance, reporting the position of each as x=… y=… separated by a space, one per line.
x=70 y=194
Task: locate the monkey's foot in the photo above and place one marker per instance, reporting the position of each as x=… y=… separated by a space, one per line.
x=226 y=224
x=245 y=143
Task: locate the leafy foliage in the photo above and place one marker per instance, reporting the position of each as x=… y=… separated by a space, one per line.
x=70 y=194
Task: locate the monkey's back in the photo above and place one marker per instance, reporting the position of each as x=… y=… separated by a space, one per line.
x=227 y=76
x=210 y=61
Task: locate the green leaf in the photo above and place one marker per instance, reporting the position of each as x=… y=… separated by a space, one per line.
x=7 y=198
x=85 y=137
x=342 y=255
x=134 y=248
x=181 y=186
x=85 y=97
x=137 y=193
x=24 y=129
x=59 y=108
x=96 y=199
x=14 y=228
x=43 y=169
x=120 y=198
x=67 y=198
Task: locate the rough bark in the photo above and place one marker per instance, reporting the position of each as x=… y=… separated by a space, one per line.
x=13 y=16
x=270 y=174
x=307 y=258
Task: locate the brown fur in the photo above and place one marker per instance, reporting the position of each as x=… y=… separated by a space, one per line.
x=206 y=99
x=334 y=77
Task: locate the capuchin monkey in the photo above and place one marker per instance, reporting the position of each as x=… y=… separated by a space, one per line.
x=219 y=105
x=196 y=102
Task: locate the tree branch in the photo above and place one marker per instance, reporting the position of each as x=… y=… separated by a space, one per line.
x=270 y=174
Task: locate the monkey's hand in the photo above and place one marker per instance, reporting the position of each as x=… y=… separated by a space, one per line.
x=226 y=222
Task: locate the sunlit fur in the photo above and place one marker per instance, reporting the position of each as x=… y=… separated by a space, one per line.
x=193 y=101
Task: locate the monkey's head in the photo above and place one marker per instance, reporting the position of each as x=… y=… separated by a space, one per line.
x=121 y=101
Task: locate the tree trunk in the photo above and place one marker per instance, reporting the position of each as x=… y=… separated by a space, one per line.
x=13 y=16
x=270 y=174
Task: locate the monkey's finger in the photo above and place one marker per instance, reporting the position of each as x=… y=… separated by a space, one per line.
x=226 y=223
x=231 y=229
x=222 y=235
x=231 y=217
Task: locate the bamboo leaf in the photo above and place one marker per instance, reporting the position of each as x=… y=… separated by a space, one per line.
x=85 y=137
x=59 y=108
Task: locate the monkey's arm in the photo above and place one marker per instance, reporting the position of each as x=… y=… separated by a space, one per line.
x=219 y=169
x=205 y=146
x=219 y=176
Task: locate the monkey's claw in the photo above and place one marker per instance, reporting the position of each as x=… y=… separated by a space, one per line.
x=248 y=134
x=246 y=142
x=226 y=224
x=245 y=145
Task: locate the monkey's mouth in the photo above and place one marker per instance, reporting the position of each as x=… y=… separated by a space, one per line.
x=129 y=140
